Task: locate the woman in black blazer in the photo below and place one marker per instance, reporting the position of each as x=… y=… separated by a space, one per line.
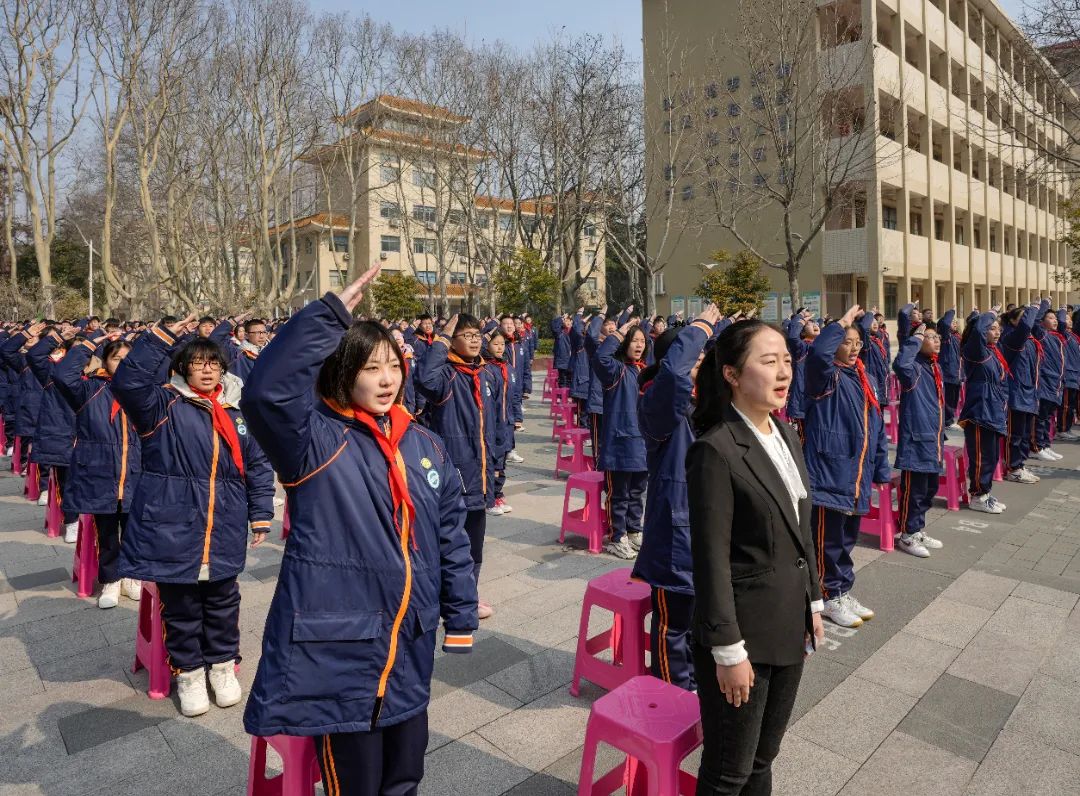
x=757 y=611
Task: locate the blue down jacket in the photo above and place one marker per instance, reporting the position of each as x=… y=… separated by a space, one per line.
x=55 y=435
x=561 y=360
x=191 y=509
x=664 y=408
x=1051 y=365
x=846 y=449
x=1023 y=354
x=622 y=448
x=875 y=355
x=27 y=388
x=360 y=592
x=107 y=458
x=987 y=374
x=799 y=350
x=579 y=360
x=1072 y=354
x=950 y=358
x=922 y=404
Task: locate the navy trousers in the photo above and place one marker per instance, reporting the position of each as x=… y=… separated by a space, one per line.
x=387 y=761
x=626 y=501
x=1042 y=425
x=202 y=622
x=983 y=450
x=917 y=491
x=62 y=474
x=952 y=399
x=565 y=377
x=476 y=529
x=1021 y=432
x=1067 y=414
x=595 y=421
x=835 y=534
x=672 y=658
x=500 y=479
x=109 y=528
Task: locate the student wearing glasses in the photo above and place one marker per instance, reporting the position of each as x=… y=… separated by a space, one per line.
x=205 y=482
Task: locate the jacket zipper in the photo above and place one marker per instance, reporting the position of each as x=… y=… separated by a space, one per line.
x=865 y=445
x=123 y=455
x=210 y=505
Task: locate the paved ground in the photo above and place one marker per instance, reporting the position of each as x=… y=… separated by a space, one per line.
x=967 y=682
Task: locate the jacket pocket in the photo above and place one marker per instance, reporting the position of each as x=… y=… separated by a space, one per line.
x=336 y=655
x=681 y=559
x=427 y=620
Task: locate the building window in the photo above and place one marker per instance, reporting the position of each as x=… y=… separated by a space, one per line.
x=783 y=122
x=589 y=230
x=733 y=134
x=308 y=246
x=733 y=83
x=590 y=256
x=733 y=159
x=888 y=217
x=459 y=246
x=389 y=174
x=456 y=217
x=687 y=192
x=390 y=243
x=712 y=112
x=457 y=278
x=591 y=283
x=712 y=138
x=959 y=236
x=505 y=222
x=337 y=278
x=939 y=229
x=993 y=241
x=426 y=277
x=761 y=180
x=687 y=122
x=711 y=91
x=423 y=177
x=783 y=70
x=424 y=245
x=733 y=184
x=341 y=243
x=758 y=78
x=667 y=125
x=915 y=223
x=389 y=210
x=424 y=213
x=759 y=102
x=759 y=154
x=890 y=300
x=483 y=221
x=667 y=103
x=733 y=109
x=783 y=98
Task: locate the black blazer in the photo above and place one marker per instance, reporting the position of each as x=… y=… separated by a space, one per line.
x=754 y=577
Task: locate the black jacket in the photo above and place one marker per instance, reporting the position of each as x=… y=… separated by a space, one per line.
x=753 y=560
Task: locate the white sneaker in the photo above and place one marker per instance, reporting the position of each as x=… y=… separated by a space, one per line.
x=1022 y=476
x=995 y=502
x=279 y=502
x=635 y=540
x=9 y=452
x=514 y=457
x=955 y=427
x=227 y=691
x=838 y=613
x=502 y=504
x=911 y=545
x=984 y=504
x=1068 y=436
x=132 y=588
x=621 y=549
x=191 y=688
x=43 y=499
x=495 y=511
x=929 y=542
x=1057 y=456
x=71 y=532
x=1046 y=455
x=110 y=595
x=857 y=607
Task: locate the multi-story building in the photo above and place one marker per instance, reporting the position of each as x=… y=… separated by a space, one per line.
x=412 y=183
x=960 y=205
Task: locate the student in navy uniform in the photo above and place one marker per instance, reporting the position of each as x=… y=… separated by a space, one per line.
x=1069 y=399
x=922 y=429
x=106 y=460
x=408 y=390
x=562 y=361
x=875 y=354
x=801 y=333
x=514 y=357
x=618 y=362
x=204 y=482
x=525 y=334
x=600 y=326
x=256 y=336
x=950 y=360
x=420 y=336
x=846 y=454
x=580 y=366
x=1022 y=352
x=460 y=394
x=27 y=388
x=988 y=389
x=55 y=434
x=1051 y=380
x=665 y=404
x=377 y=551
x=495 y=361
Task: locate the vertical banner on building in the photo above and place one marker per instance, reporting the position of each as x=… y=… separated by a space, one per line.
x=812 y=302
x=768 y=309
x=693 y=308
x=678 y=304
x=785 y=306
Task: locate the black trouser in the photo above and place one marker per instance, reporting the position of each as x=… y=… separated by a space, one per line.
x=565 y=377
x=983 y=449
x=1021 y=429
x=109 y=528
x=202 y=623
x=740 y=743
x=595 y=419
x=917 y=492
x=61 y=474
x=475 y=528
x=383 y=762
x=1067 y=413
x=582 y=412
x=1042 y=424
x=625 y=501
x=952 y=399
x=670 y=638
x=500 y=478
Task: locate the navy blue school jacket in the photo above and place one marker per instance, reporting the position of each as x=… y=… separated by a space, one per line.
x=55 y=433
x=799 y=350
x=622 y=448
x=107 y=458
x=467 y=430
x=27 y=388
x=1022 y=353
x=1052 y=364
x=875 y=355
x=922 y=404
x=987 y=375
x=561 y=359
x=846 y=449
x=421 y=344
x=950 y=359
x=504 y=418
x=1072 y=354
x=243 y=361
x=359 y=595
x=594 y=404
x=664 y=408
x=579 y=360
x=191 y=509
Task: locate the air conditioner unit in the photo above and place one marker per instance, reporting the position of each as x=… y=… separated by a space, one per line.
x=382 y=255
x=394 y=223
x=345 y=257
x=430 y=226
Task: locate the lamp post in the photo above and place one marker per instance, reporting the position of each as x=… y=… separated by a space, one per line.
x=90 y=249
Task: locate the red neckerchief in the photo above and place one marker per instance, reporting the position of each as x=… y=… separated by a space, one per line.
x=1039 y=352
x=935 y=368
x=101 y=373
x=429 y=338
x=645 y=386
x=223 y=425
x=389 y=440
x=1058 y=335
x=472 y=370
x=636 y=363
x=501 y=363
x=868 y=390
x=880 y=344
x=1001 y=359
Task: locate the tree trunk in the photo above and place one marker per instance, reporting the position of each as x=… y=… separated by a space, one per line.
x=793 y=284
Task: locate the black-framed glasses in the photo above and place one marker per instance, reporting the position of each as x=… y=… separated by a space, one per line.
x=469 y=337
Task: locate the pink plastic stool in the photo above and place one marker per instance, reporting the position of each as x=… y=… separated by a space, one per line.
x=300 y=767
x=286 y=523
x=559 y=397
x=577 y=461
x=954 y=480
x=591 y=519
x=54 y=517
x=551 y=381
x=84 y=569
x=1002 y=462
x=564 y=420
x=150 y=644
x=3 y=435
x=32 y=484
x=893 y=384
x=657 y=725
x=893 y=423
x=880 y=521
x=630 y=602
x=16 y=456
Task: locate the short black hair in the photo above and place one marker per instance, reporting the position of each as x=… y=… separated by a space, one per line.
x=199 y=348
x=93 y=318
x=112 y=322
x=112 y=347
x=338 y=373
x=254 y=322
x=206 y=319
x=622 y=352
x=504 y=317
x=167 y=319
x=426 y=316
x=467 y=321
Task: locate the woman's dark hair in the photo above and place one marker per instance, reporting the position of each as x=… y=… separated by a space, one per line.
x=1012 y=317
x=199 y=348
x=338 y=373
x=621 y=353
x=112 y=347
x=713 y=392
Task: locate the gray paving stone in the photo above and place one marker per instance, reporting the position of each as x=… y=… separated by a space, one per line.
x=44 y=577
x=465 y=710
x=488 y=656
x=821 y=675
x=959 y=716
x=1042 y=594
x=1032 y=624
x=1048 y=713
x=471 y=765
x=1063 y=661
x=908 y=663
x=805 y=768
x=537 y=675
x=997 y=661
x=100 y=725
x=542 y=785
x=949 y=622
x=907 y=766
x=17 y=685
x=980 y=589
x=1019 y=764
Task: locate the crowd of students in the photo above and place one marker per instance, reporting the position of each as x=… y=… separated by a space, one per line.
x=391 y=440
